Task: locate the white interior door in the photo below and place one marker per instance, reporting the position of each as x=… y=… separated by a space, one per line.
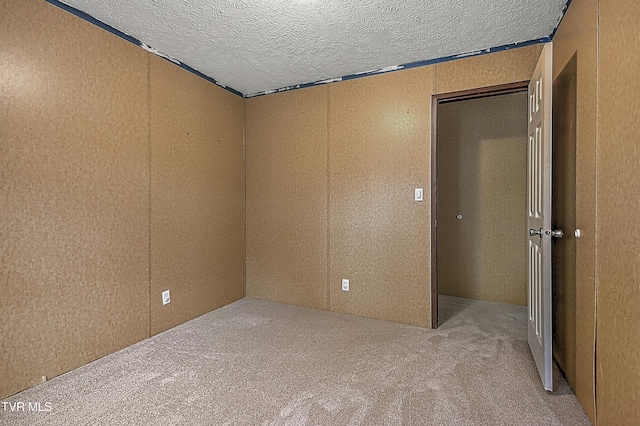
x=539 y=217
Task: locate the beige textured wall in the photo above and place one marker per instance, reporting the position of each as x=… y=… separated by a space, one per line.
x=379 y=131
x=482 y=152
x=74 y=193
x=378 y=144
x=618 y=227
x=287 y=197
x=508 y=66
x=75 y=240
x=197 y=195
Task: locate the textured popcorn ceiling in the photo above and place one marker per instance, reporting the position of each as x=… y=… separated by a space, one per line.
x=258 y=45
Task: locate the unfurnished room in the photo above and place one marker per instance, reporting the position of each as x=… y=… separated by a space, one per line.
x=304 y=212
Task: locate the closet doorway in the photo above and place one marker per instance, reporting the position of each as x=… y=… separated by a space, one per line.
x=479 y=201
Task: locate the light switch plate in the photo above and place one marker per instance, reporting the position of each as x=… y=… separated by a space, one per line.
x=166 y=297
x=419 y=194
x=345 y=284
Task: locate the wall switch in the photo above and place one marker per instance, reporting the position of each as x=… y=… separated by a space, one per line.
x=419 y=194
x=166 y=297
x=345 y=284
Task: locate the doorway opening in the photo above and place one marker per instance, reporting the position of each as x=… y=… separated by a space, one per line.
x=563 y=213
x=479 y=158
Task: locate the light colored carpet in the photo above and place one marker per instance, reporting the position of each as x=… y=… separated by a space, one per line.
x=261 y=363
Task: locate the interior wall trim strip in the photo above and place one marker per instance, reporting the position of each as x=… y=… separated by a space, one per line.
x=127 y=37
x=404 y=66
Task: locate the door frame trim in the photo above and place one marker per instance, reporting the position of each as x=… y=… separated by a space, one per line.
x=437 y=99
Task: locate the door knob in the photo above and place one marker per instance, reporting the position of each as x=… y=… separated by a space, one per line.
x=534 y=232
x=556 y=234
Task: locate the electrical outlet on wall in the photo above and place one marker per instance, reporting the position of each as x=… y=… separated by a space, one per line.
x=166 y=297
x=345 y=284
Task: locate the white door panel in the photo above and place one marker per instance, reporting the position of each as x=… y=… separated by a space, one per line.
x=539 y=217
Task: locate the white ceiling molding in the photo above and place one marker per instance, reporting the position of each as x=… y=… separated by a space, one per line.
x=261 y=46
